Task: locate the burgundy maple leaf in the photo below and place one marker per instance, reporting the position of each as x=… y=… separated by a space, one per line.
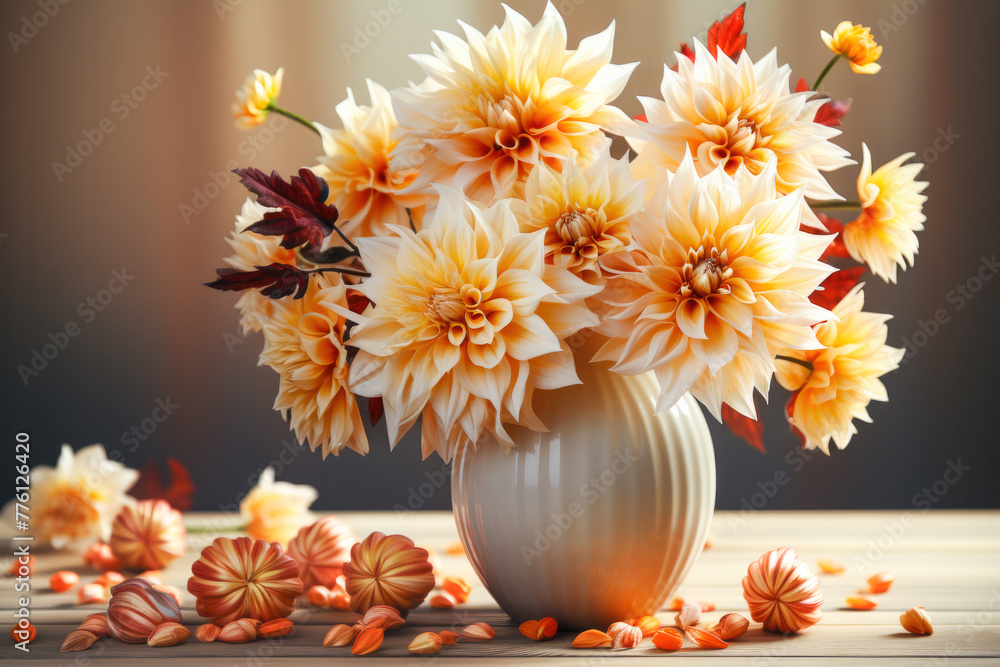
x=375 y=410
x=357 y=301
x=742 y=426
x=305 y=217
x=150 y=485
x=274 y=281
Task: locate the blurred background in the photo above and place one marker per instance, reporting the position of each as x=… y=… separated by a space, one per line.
x=117 y=144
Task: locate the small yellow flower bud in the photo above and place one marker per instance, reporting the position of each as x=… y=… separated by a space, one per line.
x=854 y=42
x=259 y=90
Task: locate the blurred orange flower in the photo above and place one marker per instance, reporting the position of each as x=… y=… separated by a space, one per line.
x=275 y=511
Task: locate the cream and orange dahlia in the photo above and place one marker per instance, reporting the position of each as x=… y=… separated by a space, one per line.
x=718 y=281
x=244 y=578
x=834 y=385
x=468 y=321
x=854 y=42
x=304 y=344
x=493 y=106
x=585 y=213
x=258 y=91
x=363 y=187
x=740 y=115
x=75 y=503
x=253 y=250
x=274 y=511
x=884 y=235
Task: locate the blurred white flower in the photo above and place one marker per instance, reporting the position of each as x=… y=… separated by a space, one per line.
x=74 y=504
x=274 y=511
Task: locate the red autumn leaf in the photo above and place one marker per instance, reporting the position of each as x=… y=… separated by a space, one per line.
x=375 y=410
x=728 y=34
x=687 y=52
x=274 y=281
x=305 y=217
x=744 y=427
x=789 y=411
x=149 y=486
x=830 y=113
x=836 y=247
x=356 y=301
x=832 y=290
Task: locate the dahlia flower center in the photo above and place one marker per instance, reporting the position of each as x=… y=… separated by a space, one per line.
x=576 y=228
x=735 y=144
x=745 y=138
x=71 y=508
x=445 y=306
x=705 y=272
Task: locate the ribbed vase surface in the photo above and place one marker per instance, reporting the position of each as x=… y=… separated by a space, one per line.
x=597 y=520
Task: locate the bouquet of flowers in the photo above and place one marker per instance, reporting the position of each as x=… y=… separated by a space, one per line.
x=458 y=232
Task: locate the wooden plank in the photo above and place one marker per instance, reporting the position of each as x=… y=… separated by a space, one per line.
x=857 y=641
x=946 y=561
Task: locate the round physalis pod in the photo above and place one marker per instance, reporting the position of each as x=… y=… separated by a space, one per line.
x=148 y=536
x=136 y=609
x=782 y=592
x=99 y=556
x=244 y=578
x=321 y=549
x=389 y=570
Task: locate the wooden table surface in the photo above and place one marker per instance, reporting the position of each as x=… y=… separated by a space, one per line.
x=945 y=561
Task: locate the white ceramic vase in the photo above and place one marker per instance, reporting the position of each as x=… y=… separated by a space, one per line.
x=599 y=519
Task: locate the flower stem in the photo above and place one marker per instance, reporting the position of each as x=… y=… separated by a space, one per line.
x=235 y=528
x=800 y=362
x=343 y=269
x=826 y=70
x=846 y=205
x=294 y=116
